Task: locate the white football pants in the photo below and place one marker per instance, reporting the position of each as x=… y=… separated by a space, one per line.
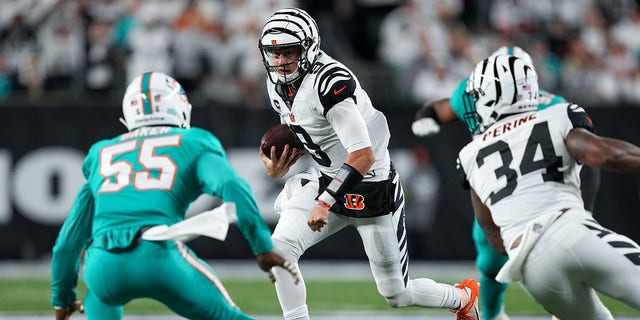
x=575 y=256
x=385 y=243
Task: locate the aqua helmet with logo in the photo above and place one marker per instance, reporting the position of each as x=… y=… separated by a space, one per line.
x=154 y=99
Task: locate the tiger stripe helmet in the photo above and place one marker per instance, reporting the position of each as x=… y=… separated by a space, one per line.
x=513 y=51
x=500 y=85
x=155 y=98
x=285 y=28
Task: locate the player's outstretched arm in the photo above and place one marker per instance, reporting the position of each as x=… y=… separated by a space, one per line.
x=609 y=153
x=431 y=116
x=491 y=230
x=270 y=259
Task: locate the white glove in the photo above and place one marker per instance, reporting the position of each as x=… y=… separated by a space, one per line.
x=425 y=127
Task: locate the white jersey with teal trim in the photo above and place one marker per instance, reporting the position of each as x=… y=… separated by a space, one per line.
x=332 y=115
x=520 y=167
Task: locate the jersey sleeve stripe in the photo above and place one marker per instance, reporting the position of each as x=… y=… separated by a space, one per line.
x=330 y=76
x=321 y=71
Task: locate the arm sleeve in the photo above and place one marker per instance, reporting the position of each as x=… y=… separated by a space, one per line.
x=349 y=125
x=73 y=236
x=218 y=178
x=457 y=105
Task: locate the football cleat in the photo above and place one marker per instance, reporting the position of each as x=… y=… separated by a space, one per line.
x=468 y=310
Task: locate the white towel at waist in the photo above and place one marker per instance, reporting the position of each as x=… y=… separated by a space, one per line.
x=512 y=270
x=213 y=224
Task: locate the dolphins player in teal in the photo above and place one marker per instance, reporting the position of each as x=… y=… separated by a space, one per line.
x=429 y=118
x=142 y=178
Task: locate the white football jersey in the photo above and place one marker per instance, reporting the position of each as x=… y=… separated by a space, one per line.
x=520 y=167
x=332 y=115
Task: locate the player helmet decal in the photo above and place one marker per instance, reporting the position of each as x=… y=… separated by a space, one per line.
x=500 y=85
x=155 y=98
x=286 y=28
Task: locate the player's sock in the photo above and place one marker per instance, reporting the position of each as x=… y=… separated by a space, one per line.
x=300 y=313
x=292 y=297
x=491 y=296
x=425 y=292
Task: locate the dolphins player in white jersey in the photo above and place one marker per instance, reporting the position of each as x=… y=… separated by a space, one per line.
x=523 y=171
x=352 y=181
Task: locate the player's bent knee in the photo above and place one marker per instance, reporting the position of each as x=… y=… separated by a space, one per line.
x=395 y=302
x=393 y=292
x=399 y=301
x=287 y=250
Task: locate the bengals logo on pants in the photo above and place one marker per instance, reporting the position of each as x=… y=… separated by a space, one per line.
x=354 y=201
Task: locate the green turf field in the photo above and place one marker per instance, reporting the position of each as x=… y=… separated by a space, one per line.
x=258 y=297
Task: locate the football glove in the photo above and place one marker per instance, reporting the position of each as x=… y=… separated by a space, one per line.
x=427 y=122
x=425 y=127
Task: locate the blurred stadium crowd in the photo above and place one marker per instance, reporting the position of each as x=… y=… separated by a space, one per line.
x=404 y=51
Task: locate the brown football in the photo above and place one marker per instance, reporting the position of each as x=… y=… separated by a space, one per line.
x=279 y=136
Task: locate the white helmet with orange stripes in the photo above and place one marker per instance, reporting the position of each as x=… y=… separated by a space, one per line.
x=286 y=28
x=500 y=85
x=153 y=99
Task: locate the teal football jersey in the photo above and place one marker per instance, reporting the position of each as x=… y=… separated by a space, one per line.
x=151 y=175
x=148 y=176
x=546 y=100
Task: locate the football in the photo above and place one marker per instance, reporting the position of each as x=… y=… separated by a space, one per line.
x=279 y=136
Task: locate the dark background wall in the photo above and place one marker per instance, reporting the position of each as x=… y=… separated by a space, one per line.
x=27 y=232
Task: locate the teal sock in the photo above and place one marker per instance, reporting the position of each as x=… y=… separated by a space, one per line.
x=491 y=296
x=489 y=263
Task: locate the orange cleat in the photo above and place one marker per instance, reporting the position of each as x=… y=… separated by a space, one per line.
x=470 y=289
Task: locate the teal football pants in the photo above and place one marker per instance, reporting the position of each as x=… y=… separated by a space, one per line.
x=166 y=271
x=489 y=263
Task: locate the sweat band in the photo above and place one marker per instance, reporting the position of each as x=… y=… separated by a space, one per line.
x=427 y=112
x=346 y=178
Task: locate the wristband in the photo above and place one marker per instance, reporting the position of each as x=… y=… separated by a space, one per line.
x=324 y=204
x=428 y=111
x=346 y=178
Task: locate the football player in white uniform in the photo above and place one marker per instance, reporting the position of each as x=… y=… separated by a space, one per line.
x=352 y=181
x=429 y=118
x=523 y=171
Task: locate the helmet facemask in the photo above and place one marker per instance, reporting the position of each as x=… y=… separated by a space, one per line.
x=279 y=73
x=470 y=117
x=500 y=85
x=286 y=29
